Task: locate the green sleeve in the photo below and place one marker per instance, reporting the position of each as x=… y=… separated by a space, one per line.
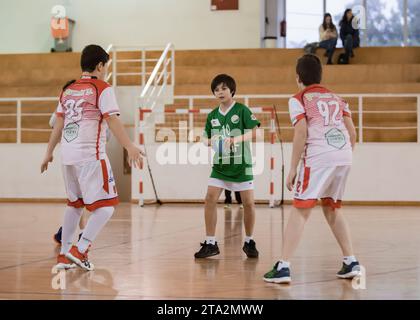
x=250 y=121
x=207 y=129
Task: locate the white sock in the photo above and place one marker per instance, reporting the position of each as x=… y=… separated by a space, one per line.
x=71 y=221
x=349 y=259
x=211 y=240
x=95 y=224
x=248 y=238
x=283 y=264
x=81 y=231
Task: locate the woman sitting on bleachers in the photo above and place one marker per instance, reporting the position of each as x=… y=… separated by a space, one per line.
x=348 y=35
x=328 y=36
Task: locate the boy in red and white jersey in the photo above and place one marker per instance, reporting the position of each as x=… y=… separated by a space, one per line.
x=87 y=107
x=324 y=136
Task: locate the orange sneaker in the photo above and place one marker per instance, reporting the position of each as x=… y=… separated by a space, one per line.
x=63 y=263
x=80 y=259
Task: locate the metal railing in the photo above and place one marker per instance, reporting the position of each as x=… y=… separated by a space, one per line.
x=18 y=102
x=19 y=114
x=158 y=80
x=154 y=92
x=359 y=111
x=142 y=60
x=154 y=83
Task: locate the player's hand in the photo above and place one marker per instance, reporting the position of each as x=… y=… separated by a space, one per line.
x=290 y=182
x=135 y=156
x=44 y=165
x=229 y=143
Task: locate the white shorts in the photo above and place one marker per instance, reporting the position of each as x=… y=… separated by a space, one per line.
x=90 y=184
x=232 y=186
x=326 y=184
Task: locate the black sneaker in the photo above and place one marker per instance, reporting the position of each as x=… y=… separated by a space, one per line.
x=278 y=276
x=207 y=250
x=349 y=271
x=250 y=249
x=57 y=236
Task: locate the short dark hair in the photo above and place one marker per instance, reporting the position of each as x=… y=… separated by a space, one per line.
x=309 y=69
x=91 y=56
x=227 y=80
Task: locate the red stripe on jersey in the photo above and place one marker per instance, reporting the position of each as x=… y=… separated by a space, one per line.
x=346 y=114
x=299 y=117
x=312 y=87
x=76 y=204
x=110 y=113
x=304 y=204
x=60 y=114
x=105 y=175
x=306 y=176
x=61 y=96
x=103 y=203
x=99 y=85
x=98 y=137
x=329 y=202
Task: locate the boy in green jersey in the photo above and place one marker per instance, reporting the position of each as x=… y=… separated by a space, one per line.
x=229 y=128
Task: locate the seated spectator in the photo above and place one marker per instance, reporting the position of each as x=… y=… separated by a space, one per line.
x=328 y=36
x=348 y=35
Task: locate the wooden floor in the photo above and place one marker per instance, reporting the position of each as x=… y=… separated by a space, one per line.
x=147 y=253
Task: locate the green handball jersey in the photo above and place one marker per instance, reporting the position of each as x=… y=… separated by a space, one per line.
x=233 y=165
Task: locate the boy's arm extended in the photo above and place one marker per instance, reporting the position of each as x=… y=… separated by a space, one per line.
x=248 y=136
x=134 y=153
x=299 y=141
x=55 y=138
x=348 y=122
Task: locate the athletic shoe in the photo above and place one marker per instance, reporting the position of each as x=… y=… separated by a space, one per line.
x=227 y=206
x=207 y=250
x=57 y=236
x=278 y=276
x=250 y=249
x=63 y=263
x=80 y=259
x=349 y=271
x=241 y=206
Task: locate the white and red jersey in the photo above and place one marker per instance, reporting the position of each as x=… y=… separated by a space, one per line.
x=328 y=141
x=84 y=105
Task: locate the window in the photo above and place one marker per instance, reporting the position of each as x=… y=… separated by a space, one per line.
x=385 y=23
x=413 y=22
x=303 y=19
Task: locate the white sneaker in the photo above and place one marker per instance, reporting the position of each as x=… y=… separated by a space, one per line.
x=63 y=263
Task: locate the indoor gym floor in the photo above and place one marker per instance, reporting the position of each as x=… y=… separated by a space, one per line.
x=147 y=253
